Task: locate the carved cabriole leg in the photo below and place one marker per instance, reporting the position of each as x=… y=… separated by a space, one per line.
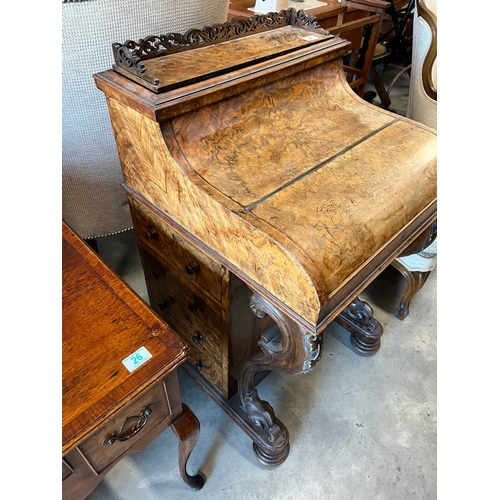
x=414 y=282
x=288 y=348
x=187 y=430
x=366 y=331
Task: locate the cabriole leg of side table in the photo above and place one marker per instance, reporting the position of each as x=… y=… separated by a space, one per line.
x=288 y=348
x=187 y=430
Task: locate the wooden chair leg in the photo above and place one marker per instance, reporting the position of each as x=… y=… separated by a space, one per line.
x=379 y=87
x=187 y=430
x=414 y=282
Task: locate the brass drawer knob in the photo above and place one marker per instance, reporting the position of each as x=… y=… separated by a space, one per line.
x=197 y=338
x=192 y=267
x=151 y=234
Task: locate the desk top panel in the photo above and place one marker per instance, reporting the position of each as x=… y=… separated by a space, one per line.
x=184 y=68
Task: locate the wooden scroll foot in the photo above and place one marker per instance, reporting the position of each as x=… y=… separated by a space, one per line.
x=271 y=444
x=414 y=281
x=285 y=347
x=187 y=430
x=366 y=331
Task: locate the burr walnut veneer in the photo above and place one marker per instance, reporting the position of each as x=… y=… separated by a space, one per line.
x=108 y=410
x=265 y=196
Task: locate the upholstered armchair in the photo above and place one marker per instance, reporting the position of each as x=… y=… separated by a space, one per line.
x=93 y=201
x=422 y=107
x=422 y=99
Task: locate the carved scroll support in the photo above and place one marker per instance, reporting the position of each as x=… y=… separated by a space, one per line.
x=288 y=348
x=366 y=331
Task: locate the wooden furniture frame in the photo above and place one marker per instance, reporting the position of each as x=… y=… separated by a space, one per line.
x=358 y=21
x=391 y=47
x=266 y=195
x=430 y=58
x=363 y=33
x=109 y=410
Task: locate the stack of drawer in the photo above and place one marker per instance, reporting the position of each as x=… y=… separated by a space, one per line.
x=196 y=296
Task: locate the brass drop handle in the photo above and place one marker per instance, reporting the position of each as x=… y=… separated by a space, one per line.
x=164 y=305
x=151 y=234
x=197 y=338
x=192 y=267
x=201 y=364
x=195 y=305
x=121 y=435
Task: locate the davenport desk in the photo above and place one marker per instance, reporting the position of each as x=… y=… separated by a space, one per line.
x=265 y=196
x=119 y=374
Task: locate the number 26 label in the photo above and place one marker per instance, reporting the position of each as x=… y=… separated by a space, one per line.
x=136 y=359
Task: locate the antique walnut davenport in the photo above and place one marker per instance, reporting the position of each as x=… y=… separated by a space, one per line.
x=266 y=195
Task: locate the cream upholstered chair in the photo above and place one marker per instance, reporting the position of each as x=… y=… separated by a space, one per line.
x=93 y=201
x=422 y=98
x=422 y=107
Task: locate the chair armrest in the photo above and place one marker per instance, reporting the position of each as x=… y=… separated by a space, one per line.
x=430 y=18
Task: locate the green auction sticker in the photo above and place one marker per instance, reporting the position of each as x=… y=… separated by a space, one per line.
x=136 y=359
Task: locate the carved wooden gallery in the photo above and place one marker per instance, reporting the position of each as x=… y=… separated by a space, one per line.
x=265 y=195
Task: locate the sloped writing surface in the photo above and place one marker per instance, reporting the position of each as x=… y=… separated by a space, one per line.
x=345 y=212
x=250 y=145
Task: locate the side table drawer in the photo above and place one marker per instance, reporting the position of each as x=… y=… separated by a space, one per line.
x=183 y=256
x=136 y=419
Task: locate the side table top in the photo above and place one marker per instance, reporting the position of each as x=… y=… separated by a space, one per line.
x=103 y=324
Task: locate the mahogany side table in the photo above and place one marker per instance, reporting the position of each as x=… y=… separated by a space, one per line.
x=119 y=374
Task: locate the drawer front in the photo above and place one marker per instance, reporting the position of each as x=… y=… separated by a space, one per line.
x=189 y=315
x=133 y=420
x=213 y=372
x=184 y=258
x=67 y=470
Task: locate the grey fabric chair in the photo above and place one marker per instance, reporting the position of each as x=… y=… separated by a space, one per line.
x=93 y=202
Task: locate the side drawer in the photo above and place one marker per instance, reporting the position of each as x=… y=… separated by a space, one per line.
x=190 y=316
x=133 y=417
x=207 y=367
x=183 y=256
